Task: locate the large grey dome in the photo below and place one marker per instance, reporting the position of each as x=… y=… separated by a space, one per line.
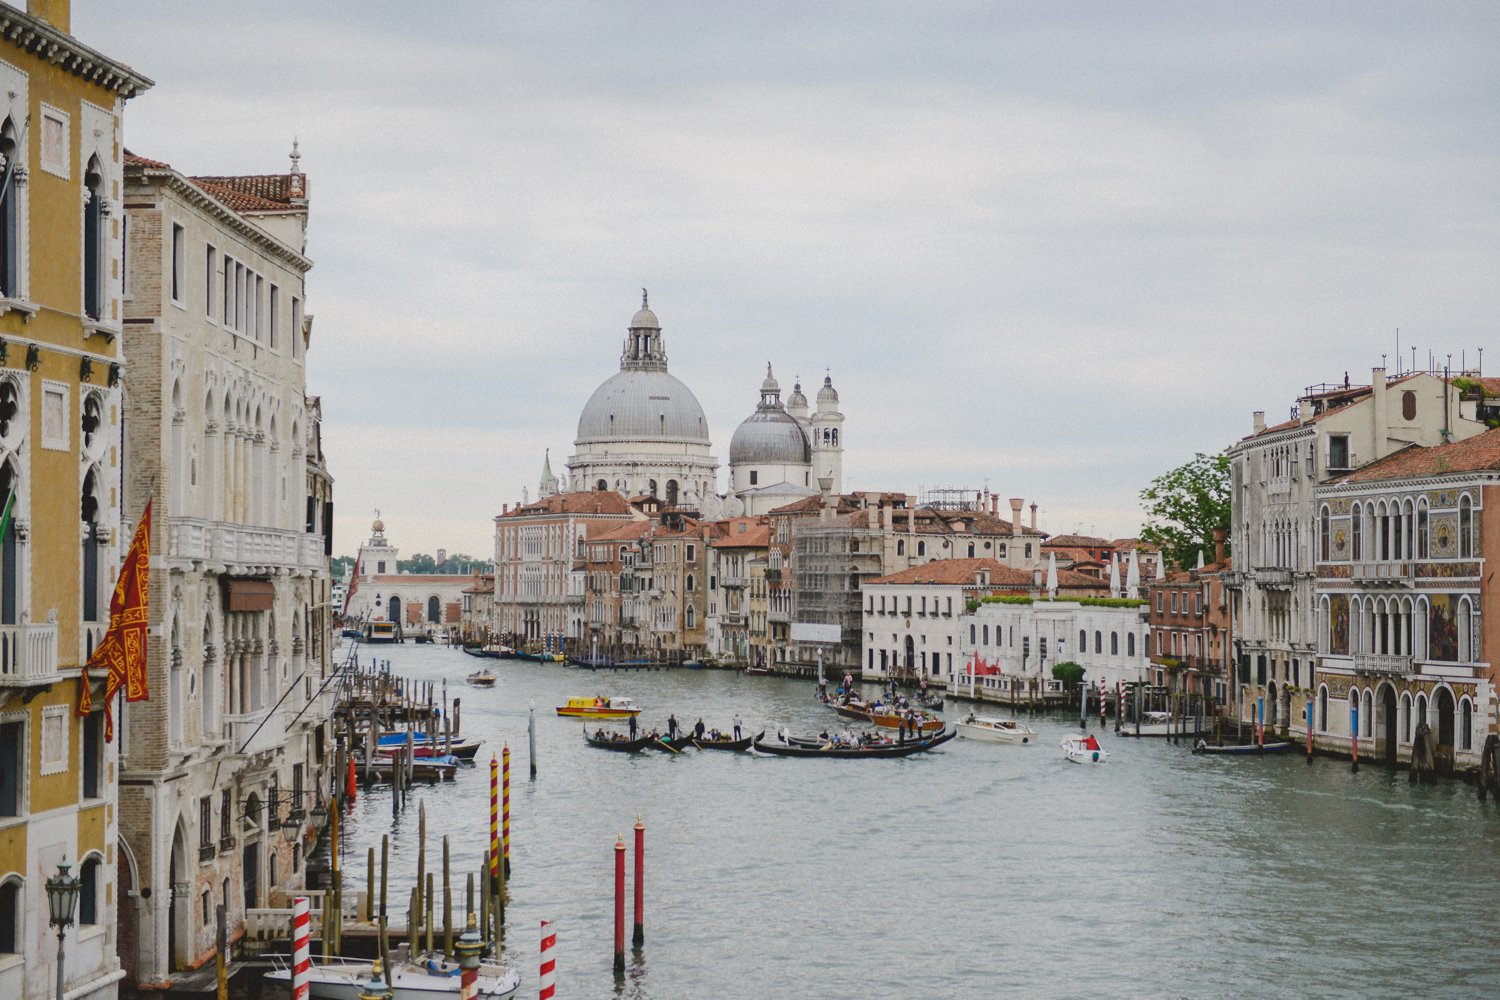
x=642 y=405
x=769 y=437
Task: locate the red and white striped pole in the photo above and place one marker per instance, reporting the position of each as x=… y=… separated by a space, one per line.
x=505 y=805
x=301 y=949
x=549 y=964
x=1103 y=700
x=620 y=906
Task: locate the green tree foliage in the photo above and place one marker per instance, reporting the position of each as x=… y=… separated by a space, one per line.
x=342 y=566
x=1185 y=505
x=1068 y=672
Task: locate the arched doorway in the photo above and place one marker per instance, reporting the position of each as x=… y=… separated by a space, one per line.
x=1273 y=703
x=177 y=907
x=393 y=610
x=911 y=655
x=251 y=855
x=1388 y=721
x=433 y=609
x=1445 y=712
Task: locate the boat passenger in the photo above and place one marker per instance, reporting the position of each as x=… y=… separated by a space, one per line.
x=698 y=729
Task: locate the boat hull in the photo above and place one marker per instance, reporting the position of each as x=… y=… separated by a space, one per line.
x=618 y=746
x=598 y=713
x=1074 y=750
x=1245 y=749
x=926 y=725
x=347 y=981
x=906 y=749
x=992 y=732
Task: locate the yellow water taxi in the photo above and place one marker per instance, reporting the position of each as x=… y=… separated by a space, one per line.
x=598 y=708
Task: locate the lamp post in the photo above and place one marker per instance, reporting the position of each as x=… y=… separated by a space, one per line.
x=62 y=900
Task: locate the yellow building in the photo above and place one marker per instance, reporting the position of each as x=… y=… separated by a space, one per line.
x=60 y=404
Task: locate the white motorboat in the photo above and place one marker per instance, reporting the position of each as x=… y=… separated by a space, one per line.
x=992 y=729
x=1084 y=750
x=430 y=979
x=1151 y=724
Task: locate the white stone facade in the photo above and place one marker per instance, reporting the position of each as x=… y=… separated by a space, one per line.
x=1026 y=640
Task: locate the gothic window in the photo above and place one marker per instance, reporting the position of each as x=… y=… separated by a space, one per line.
x=921 y=548
x=1356 y=518
x=10 y=226
x=900 y=547
x=1325 y=534
x=1465 y=527
x=10 y=916
x=601 y=486
x=88 y=895
x=90 y=516
x=835 y=433
x=93 y=241
x=9 y=551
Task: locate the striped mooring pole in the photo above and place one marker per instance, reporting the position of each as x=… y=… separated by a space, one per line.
x=549 y=963
x=505 y=805
x=301 y=950
x=494 y=819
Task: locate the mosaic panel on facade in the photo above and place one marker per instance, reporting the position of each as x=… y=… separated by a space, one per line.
x=1443 y=536
x=1446 y=571
x=1335 y=572
x=1442 y=628
x=1338 y=616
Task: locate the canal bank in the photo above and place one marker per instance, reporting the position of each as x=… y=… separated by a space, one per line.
x=972 y=871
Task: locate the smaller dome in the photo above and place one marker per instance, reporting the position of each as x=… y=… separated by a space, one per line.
x=796 y=398
x=828 y=394
x=770 y=384
x=644 y=319
x=770 y=437
x=378 y=527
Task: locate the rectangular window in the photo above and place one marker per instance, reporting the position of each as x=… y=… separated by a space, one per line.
x=275 y=314
x=205 y=821
x=179 y=261
x=1338 y=451
x=228 y=283
x=55 y=416
x=296 y=330
x=93 y=755
x=12 y=767
x=239 y=296
x=55 y=739
x=208 y=281
x=226 y=817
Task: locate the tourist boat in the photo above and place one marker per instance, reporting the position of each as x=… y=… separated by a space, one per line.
x=892 y=720
x=708 y=742
x=856 y=710
x=1084 y=750
x=1243 y=749
x=1151 y=724
x=465 y=749
x=381 y=632
x=608 y=740
x=482 y=678
x=598 y=708
x=992 y=729
x=332 y=978
x=798 y=748
x=931 y=702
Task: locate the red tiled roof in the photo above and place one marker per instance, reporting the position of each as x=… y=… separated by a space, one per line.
x=591 y=502
x=132 y=158
x=742 y=533
x=1069 y=579
x=257 y=192
x=1480 y=453
x=1077 y=541
x=959 y=572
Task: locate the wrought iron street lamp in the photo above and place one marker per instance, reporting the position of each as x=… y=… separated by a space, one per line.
x=62 y=900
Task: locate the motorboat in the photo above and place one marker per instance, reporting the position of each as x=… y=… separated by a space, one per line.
x=993 y=729
x=1243 y=749
x=791 y=746
x=381 y=631
x=1151 y=724
x=598 y=707
x=464 y=747
x=1084 y=750
x=482 y=678
x=431 y=978
x=920 y=721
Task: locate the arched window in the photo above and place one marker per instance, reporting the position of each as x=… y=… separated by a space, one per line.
x=986 y=635
x=1325 y=534
x=1083 y=641
x=10 y=216
x=89 y=514
x=1002 y=550
x=835 y=433
x=690 y=585
x=10 y=556
x=89 y=886
x=434 y=609
x=1323 y=708
x=1465 y=724
x=1408 y=405
x=971 y=550
x=921 y=548
x=1419 y=710
x=691 y=616
x=1367 y=713
x=10 y=915
x=1114 y=644
x=394 y=610
x=1465 y=527
x=1098 y=642
x=1129 y=643
x=900 y=547
x=1422 y=545
x=1356 y=535
x=601 y=485
x=671 y=493
x=1406 y=726
x=651 y=487
x=1465 y=630
x=94 y=241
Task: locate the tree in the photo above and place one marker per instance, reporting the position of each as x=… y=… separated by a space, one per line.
x=1068 y=672
x=342 y=567
x=1185 y=505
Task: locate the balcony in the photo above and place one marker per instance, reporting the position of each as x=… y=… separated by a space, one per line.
x=733 y=581
x=28 y=654
x=1279 y=488
x=732 y=618
x=243 y=549
x=1388 y=574
x=1380 y=663
x=780 y=617
x=1273 y=577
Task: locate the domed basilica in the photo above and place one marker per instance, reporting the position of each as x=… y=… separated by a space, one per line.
x=643 y=432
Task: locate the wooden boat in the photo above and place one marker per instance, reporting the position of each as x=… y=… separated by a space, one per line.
x=757 y=671
x=891 y=720
x=782 y=749
x=726 y=742
x=1084 y=750
x=1243 y=749
x=931 y=702
x=332 y=978
x=598 y=708
x=465 y=749
x=855 y=710
x=1151 y=724
x=618 y=742
x=381 y=632
x=992 y=729
x=679 y=743
x=482 y=678
x=438 y=768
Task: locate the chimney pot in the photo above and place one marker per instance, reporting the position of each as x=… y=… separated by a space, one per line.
x=1258 y=419
x=1015 y=515
x=1033 y=515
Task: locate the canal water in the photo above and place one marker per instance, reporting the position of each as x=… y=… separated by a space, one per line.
x=974 y=871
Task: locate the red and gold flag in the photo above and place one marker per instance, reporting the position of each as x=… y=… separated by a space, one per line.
x=122 y=653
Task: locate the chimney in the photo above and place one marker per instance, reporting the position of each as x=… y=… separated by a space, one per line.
x=1015 y=515
x=873 y=516
x=1219 y=534
x=1033 y=515
x=1259 y=420
x=1036 y=578
x=830 y=502
x=504 y=509
x=54 y=12
x=995 y=504
x=1378 y=413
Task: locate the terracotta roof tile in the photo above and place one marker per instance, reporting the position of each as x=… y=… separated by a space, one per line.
x=258 y=192
x=591 y=502
x=1480 y=453
x=131 y=158
x=959 y=572
x=1078 y=541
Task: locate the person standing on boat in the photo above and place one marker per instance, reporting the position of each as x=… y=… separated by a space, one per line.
x=698 y=729
x=632 y=727
x=672 y=726
x=737 y=724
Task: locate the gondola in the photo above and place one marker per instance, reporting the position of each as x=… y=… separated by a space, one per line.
x=726 y=743
x=857 y=712
x=680 y=742
x=897 y=750
x=1271 y=746
x=621 y=745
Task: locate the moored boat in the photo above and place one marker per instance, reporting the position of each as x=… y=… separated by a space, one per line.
x=381 y=632
x=993 y=729
x=464 y=749
x=598 y=707
x=1084 y=750
x=1150 y=724
x=1243 y=749
x=721 y=742
x=921 y=721
x=620 y=743
x=432 y=979
x=436 y=768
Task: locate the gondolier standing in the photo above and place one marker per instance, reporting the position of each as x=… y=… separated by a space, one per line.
x=632 y=727
x=672 y=726
x=737 y=724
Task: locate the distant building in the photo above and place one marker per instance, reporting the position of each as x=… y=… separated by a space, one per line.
x=414 y=601
x=1191 y=633
x=1013 y=646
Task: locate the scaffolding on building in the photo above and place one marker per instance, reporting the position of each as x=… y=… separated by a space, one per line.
x=830 y=562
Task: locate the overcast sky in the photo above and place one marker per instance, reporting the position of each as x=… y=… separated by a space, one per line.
x=1050 y=248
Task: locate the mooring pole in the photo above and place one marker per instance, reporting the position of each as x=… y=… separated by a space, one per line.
x=505 y=805
x=1354 y=734
x=1309 y=728
x=620 y=906
x=369 y=914
x=531 y=738
x=548 y=981
x=639 y=937
x=447 y=904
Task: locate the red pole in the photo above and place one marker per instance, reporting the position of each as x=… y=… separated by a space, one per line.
x=620 y=905
x=640 y=883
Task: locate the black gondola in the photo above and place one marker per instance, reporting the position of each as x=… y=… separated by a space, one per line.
x=726 y=743
x=827 y=750
x=616 y=742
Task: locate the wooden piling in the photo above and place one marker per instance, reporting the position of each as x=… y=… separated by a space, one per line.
x=639 y=937
x=369 y=909
x=620 y=906
x=427 y=912
x=447 y=903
